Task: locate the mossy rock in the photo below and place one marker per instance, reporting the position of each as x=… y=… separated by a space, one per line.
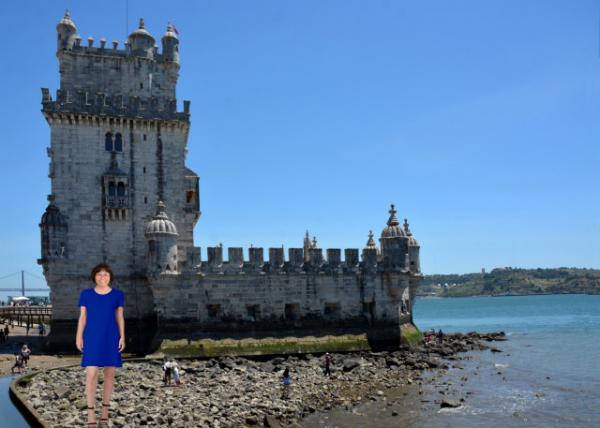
x=268 y=346
x=410 y=335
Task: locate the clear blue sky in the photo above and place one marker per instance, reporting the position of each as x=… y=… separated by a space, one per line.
x=479 y=120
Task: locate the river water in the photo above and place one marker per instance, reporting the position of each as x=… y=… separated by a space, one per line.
x=548 y=374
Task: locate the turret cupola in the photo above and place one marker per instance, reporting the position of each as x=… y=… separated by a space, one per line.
x=161 y=235
x=393 y=229
x=170 y=45
x=67 y=32
x=394 y=243
x=160 y=224
x=141 y=41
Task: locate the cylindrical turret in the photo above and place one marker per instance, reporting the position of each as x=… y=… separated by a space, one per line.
x=67 y=32
x=53 y=228
x=394 y=243
x=141 y=42
x=161 y=235
x=413 y=250
x=170 y=45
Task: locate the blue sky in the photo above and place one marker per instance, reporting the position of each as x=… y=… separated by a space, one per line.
x=479 y=120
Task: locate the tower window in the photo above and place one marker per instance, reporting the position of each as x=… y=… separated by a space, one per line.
x=144 y=137
x=112 y=191
x=121 y=189
x=108 y=142
x=141 y=86
x=118 y=142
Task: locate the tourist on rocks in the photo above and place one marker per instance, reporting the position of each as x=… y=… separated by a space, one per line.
x=18 y=363
x=175 y=368
x=440 y=336
x=167 y=369
x=101 y=338
x=286 y=382
x=327 y=365
x=25 y=353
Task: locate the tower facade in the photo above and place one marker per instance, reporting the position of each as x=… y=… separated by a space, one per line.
x=118 y=146
x=122 y=194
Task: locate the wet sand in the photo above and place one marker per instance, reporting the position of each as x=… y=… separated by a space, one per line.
x=37 y=361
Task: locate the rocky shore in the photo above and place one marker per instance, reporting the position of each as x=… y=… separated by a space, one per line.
x=235 y=391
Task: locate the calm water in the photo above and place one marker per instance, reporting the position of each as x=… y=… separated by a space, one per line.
x=550 y=368
x=548 y=374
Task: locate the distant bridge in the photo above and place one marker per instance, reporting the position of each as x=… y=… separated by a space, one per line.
x=22 y=289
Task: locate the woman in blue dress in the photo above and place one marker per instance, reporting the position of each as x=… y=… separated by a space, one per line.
x=101 y=338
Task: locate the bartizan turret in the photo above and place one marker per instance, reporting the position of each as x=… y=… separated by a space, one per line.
x=170 y=45
x=413 y=250
x=394 y=244
x=67 y=32
x=141 y=42
x=54 y=234
x=161 y=235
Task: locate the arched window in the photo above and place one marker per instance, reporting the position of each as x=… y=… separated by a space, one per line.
x=118 y=143
x=108 y=142
x=120 y=189
x=112 y=189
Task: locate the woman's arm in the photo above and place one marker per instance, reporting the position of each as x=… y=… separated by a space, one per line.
x=80 y=327
x=121 y=324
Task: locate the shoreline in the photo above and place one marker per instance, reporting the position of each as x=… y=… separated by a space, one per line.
x=504 y=295
x=236 y=391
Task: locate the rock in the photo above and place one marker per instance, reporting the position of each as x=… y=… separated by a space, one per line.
x=271 y=421
x=448 y=402
x=61 y=391
x=252 y=420
x=350 y=364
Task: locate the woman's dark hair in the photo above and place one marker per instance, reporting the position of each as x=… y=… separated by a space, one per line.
x=98 y=268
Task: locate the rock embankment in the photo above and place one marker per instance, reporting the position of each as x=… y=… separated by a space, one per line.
x=234 y=391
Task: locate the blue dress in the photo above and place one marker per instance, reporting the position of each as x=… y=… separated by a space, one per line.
x=101 y=332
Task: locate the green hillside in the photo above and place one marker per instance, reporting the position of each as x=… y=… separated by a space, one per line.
x=505 y=281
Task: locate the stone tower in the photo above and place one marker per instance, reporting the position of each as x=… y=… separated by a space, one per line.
x=122 y=194
x=118 y=146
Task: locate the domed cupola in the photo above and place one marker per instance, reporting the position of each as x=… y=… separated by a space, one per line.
x=411 y=239
x=161 y=224
x=67 y=32
x=161 y=235
x=141 y=41
x=394 y=243
x=53 y=217
x=393 y=229
x=170 y=45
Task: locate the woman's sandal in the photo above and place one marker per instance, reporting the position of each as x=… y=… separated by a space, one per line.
x=92 y=424
x=104 y=421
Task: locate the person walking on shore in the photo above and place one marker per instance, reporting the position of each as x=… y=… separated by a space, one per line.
x=327 y=364
x=25 y=353
x=101 y=338
x=286 y=383
x=167 y=368
x=6 y=331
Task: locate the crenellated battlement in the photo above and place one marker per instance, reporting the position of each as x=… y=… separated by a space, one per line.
x=91 y=102
x=276 y=261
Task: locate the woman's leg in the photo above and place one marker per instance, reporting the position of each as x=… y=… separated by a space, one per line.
x=109 y=381
x=91 y=380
